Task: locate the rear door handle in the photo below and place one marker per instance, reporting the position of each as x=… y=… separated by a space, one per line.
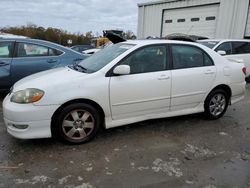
x=51 y=61
x=163 y=77
x=236 y=60
x=209 y=72
x=239 y=60
x=3 y=64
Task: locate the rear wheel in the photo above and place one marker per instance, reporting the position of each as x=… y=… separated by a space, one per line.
x=77 y=123
x=216 y=104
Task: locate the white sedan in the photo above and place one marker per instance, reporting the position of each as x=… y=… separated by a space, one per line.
x=125 y=83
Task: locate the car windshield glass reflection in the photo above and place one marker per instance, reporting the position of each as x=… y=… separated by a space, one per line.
x=104 y=56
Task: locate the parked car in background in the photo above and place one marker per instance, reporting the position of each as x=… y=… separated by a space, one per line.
x=113 y=39
x=91 y=51
x=121 y=84
x=80 y=48
x=184 y=37
x=20 y=57
x=233 y=50
x=94 y=50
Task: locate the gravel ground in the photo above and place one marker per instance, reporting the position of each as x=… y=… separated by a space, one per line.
x=186 y=151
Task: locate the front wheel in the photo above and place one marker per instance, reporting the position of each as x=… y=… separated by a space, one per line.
x=76 y=123
x=216 y=104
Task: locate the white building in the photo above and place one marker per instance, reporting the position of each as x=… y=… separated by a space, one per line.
x=210 y=18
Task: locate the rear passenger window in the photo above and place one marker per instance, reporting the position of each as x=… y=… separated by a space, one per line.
x=31 y=50
x=240 y=47
x=226 y=46
x=188 y=57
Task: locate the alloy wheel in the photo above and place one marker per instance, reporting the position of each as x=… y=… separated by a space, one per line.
x=78 y=124
x=217 y=104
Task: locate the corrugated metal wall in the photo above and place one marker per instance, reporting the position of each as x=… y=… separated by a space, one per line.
x=231 y=21
x=247 y=32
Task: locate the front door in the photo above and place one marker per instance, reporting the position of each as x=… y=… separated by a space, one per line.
x=146 y=90
x=6 y=52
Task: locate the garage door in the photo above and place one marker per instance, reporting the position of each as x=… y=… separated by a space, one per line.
x=247 y=32
x=199 y=20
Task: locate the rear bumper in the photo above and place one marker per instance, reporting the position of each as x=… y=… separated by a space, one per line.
x=236 y=99
x=238 y=92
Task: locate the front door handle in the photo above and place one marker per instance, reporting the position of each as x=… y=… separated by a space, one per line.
x=209 y=71
x=51 y=61
x=3 y=64
x=164 y=77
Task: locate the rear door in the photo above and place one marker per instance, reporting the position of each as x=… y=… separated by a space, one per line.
x=193 y=73
x=6 y=53
x=31 y=58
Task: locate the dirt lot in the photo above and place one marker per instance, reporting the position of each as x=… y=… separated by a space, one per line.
x=186 y=151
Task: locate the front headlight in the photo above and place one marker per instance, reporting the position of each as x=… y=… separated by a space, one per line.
x=27 y=96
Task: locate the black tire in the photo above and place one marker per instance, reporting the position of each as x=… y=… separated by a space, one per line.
x=71 y=120
x=209 y=112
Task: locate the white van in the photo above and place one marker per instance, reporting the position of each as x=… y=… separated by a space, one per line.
x=233 y=50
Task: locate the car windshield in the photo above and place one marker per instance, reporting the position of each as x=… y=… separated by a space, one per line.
x=104 y=56
x=209 y=44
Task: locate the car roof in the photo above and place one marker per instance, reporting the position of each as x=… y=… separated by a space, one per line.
x=31 y=40
x=224 y=40
x=41 y=42
x=156 y=41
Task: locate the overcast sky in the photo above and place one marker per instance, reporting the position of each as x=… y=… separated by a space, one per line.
x=71 y=15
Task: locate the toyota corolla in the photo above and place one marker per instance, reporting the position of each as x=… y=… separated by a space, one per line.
x=124 y=83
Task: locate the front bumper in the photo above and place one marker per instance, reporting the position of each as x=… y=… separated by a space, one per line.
x=36 y=119
x=35 y=129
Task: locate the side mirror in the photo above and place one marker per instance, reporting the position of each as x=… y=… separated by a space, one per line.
x=122 y=70
x=221 y=52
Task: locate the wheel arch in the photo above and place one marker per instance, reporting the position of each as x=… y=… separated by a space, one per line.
x=87 y=101
x=224 y=87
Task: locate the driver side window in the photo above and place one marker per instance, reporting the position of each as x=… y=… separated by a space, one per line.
x=148 y=59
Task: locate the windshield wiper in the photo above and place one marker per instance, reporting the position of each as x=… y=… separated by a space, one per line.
x=79 y=67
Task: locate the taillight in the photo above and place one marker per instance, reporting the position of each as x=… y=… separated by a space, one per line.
x=244 y=70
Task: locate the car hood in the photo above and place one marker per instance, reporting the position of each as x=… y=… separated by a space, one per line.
x=49 y=78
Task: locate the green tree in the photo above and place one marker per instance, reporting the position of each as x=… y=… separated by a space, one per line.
x=50 y=34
